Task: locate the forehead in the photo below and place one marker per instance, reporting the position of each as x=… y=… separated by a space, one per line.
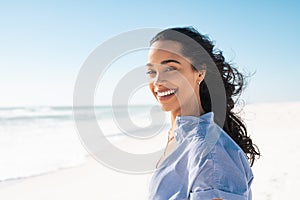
x=162 y=49
x=167 y=45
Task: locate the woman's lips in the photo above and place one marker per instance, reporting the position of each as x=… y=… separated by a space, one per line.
x=165 y=94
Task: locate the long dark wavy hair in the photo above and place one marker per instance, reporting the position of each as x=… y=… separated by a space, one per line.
x=233 y=82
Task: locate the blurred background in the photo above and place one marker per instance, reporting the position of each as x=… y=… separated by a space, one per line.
x=44 y=44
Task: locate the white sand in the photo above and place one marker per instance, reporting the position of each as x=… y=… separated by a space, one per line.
x=273 y=127
x=91 y=181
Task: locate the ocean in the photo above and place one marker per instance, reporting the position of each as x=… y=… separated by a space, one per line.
x=39 y=140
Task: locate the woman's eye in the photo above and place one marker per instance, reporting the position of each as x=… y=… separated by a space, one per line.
x=170 y=69
x=149 y=72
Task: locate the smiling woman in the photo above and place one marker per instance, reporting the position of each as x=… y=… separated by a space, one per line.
x=206 y=160
x=176 y=69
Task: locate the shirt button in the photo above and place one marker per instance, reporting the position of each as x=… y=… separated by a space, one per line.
x=175 y=133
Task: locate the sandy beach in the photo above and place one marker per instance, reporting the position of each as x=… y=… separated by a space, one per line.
x=273 y=127
x=89 y=181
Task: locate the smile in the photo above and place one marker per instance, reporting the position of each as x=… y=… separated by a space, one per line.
x=166 y=93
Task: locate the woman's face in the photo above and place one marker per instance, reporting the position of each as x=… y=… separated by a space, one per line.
x=172 y=80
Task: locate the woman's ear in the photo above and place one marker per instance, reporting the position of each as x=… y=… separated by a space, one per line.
x=201 y=75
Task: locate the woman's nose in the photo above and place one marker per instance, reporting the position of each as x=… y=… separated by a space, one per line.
x=159 y=79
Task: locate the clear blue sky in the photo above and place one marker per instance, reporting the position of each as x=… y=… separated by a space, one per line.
x=44 y=43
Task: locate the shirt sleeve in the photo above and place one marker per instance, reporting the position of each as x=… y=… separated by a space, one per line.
x=214 y=193
x=223 y=173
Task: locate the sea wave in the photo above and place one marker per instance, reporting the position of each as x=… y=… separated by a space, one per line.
x=39 y=140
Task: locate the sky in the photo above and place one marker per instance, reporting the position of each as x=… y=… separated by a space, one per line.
x=43 y=44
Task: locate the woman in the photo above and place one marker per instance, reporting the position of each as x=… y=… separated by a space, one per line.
x=206 y=157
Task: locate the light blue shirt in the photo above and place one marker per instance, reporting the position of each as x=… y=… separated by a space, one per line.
x=205 y=164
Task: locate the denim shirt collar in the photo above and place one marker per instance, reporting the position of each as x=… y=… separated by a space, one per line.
x=189 y=125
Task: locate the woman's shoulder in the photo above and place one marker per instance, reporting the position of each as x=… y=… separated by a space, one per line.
x=209 y=146
x=218 y=156
x=218 y=163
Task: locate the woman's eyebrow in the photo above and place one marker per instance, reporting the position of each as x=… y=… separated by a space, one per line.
x=149 y=65
x=168 y=61
x=164 y=62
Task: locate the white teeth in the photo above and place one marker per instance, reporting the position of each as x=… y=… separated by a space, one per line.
x=161 y=94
